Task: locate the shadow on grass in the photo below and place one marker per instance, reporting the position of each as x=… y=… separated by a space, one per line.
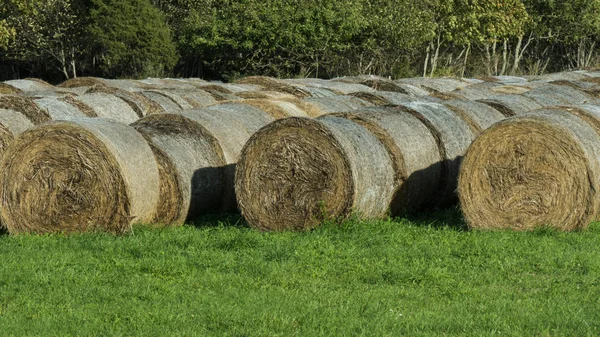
x=449 y=218
x=219 y=220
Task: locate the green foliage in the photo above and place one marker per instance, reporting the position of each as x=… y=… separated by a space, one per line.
x=425 y=276
x=130 y=38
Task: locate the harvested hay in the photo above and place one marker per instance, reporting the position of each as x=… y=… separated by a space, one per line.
x=12 y=124
x=478 y=114
x=30 y=84
x=26 y=106
x=278 y=109
x=532 y=170
x=231 y=124
x=510 y=105
x=453 y=134
x=295 y=172
x=477 y=91
x=264 y=95
x=82 y=175
x=375 y=82
x=108 y=106
x=271 y=84
x=414 y=152
x=7 y=89
x=434 y=84
x=376 y=99
x=142 y=105
x=64 y=108
x=340 y=88
x=191 y=166
x=83 y=82
x=511 y=89
x=333 y=104
x=165 y=102
x=557 y=93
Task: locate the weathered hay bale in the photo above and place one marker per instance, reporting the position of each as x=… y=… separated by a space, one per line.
x=232 y=88
x=296 y=171
x=26 y=106
x=566 y=75
x=511 y=105
x=435 y=84
x=504 y=79
x=412 y=90
x=7 y=89
x=272 y=84
x=414 y=153
x=338 y=87
x=375 y=82
x=191 y=166
x=75 y=176
x=168 y=83
x=340 y=103
x=12 y=124
x=109 y=106
x=63 y=108
x=477 y=91
x=30 y=84
x=479 y=116
x=142 y=105
x=83 y=82
x=49 y=93
x=537 y=169
x=511 y=89
x=453 y=134
x=264 y=95
x=88 y=82
x=566 y=93
x=189 y=99
x=165 y=102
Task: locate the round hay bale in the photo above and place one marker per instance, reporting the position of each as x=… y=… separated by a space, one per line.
x=271 y=84
x=81 y=175
x=411 y=90
x=537 y=169
x=434 y=84
x=477 y=91
x=453 y=134
x=63 y=108
x=165 y=102
x=337 y=87
x=414 y=154
x=142 y=105
x=264 y=95
x=191 y=166
x=511 y=89
x=12 y=124
x=278 y=108
x=510 y=105
x=564 y=93
x=375 y=82
x=296 y=171
x=30 y=84
x=26 y=106
x=333 y=104
x=477 y=114
x=231 y=124
x=108 y=106
x=83 y=82
x=7 y=89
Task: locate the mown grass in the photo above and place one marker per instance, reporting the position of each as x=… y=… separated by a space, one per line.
x=408 y=277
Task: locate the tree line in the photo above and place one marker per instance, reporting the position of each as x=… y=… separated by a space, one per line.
x=225 y=39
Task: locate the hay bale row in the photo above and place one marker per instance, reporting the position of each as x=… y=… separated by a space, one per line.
x=537 y=169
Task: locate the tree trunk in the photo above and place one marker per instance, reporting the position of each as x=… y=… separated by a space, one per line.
x=464 y=69
x=428 y=50
x=518 y=55
x=504 y=56
x=435 y=56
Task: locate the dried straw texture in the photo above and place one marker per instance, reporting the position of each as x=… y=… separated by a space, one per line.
x=435 y=84
x=231 y=124
x=272 y=84
x=510 y=105
x=340 y=103
x=551 y=93
x=477 y=91
x=7 y=89
x=191 y=165
x=414 y=153
x=90 y=174
x=296 y=171
x=12 y=124
x=532 y=170
x=334 y=86
x=30 y=84
x=109 y=106
x=412 y=90
x=83 y=82
x=264 y=95
x=480 y=115
x=282 y=108
x=453 y=134
x=26 y=106
x=167 y=83
x=61 y=108
x=375 y=82
x=167 y=104
x=142 y=105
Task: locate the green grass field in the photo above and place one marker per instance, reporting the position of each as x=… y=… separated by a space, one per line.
x=407 y=277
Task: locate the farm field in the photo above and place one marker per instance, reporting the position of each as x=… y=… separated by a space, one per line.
x=423 y=276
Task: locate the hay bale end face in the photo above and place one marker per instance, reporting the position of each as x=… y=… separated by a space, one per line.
x=537 y=169
x=297 y=171
x=89 y=174
x=26 y=106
